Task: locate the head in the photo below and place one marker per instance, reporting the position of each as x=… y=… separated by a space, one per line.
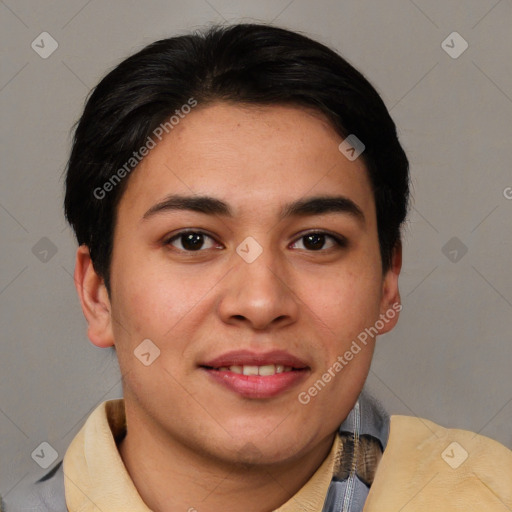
x=217 y=217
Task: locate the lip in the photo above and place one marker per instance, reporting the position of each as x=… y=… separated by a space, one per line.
x=247 y=357
x=256 y=386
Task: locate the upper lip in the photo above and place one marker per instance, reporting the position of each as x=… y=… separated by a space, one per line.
x=250 y=358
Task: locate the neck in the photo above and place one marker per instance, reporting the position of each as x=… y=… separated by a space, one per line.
x=170 y=476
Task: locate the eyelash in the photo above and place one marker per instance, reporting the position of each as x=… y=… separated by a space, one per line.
x=340 y=241
x=178 y=235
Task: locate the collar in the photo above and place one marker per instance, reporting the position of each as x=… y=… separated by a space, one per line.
x=95 y=476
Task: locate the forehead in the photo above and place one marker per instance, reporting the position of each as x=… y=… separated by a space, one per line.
x=249 y=155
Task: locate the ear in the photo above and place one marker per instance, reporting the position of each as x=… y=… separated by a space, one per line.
x=94 y=299
x=390 y=305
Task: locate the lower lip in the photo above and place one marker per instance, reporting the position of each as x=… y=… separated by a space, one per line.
x=256 y=386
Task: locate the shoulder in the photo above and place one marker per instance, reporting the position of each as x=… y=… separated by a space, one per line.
x=44 y=495
x=441 y=469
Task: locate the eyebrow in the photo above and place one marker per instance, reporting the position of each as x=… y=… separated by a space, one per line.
x=323 y=204
x=303 y=207
x=201 y=204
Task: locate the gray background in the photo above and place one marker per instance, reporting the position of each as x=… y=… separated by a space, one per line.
x=449 y=358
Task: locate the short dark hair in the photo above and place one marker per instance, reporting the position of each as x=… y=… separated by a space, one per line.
x=244 y=63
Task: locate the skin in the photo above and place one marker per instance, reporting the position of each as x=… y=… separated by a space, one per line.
x=192 y=442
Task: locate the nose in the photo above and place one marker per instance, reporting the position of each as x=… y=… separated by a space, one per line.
x=259 y=295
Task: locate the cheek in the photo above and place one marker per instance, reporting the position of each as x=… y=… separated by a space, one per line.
x=346 y=303
x=155 y=301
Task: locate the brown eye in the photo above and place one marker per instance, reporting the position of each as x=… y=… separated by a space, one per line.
x=314 y=241
x=317 y=241
x=191 y=241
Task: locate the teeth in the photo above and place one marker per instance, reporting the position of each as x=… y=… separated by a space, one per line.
x=250 y=370
x=268 y=369
x=265 y=370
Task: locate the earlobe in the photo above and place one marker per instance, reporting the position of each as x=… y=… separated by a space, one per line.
x=94 y=299
x=391 y=304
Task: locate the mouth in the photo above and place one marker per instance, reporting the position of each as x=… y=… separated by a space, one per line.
x=265 y=370
x=253 y=375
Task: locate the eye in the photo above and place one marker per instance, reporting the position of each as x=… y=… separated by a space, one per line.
x=192 y=241
x=317 y=241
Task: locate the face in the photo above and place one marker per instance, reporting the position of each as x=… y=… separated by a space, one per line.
x=246 y=250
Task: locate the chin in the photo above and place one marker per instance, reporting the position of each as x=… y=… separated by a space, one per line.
x=262 y=449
